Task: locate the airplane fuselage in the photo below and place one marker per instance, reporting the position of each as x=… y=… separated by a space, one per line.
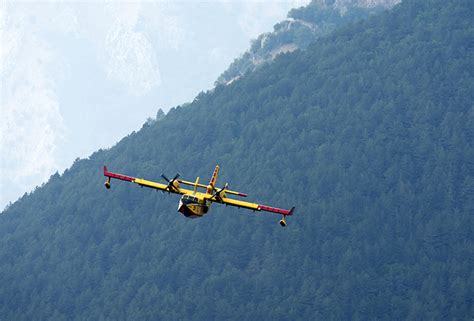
x=192 y=206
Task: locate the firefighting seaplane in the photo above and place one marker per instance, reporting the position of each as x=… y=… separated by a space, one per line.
x=194 y=204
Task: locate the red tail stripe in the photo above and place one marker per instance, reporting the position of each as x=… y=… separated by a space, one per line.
x=213 y=178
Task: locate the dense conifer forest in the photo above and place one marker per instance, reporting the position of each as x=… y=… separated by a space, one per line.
x=369 y=133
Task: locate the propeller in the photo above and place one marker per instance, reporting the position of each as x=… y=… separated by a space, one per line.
x=217 y=194
x=171 y=182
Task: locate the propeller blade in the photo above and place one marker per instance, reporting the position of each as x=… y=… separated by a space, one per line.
x=170 y=182
x=217 y=194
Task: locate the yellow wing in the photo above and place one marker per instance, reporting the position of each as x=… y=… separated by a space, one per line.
x=232 y=202
x=167 y=188
x=248 y=205
x=173 y=187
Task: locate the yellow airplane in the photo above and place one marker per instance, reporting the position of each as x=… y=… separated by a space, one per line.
x=195 y=204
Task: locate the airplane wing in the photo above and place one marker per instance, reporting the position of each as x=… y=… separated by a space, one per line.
x=250 y=206
x=170 y=188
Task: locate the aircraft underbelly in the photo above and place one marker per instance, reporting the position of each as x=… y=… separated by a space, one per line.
x=192 y=210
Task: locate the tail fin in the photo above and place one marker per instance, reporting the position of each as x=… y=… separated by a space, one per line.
x=212 y=183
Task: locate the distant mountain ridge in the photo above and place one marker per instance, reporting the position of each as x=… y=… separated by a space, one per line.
x=302 y=27
x=344 y=5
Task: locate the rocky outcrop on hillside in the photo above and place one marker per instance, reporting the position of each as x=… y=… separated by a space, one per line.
x=302 y=27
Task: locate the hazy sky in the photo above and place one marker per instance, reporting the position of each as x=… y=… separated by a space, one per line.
x=78 y=76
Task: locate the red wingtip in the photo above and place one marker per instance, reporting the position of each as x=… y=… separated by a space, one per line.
x=291 y=211
x=275 y=210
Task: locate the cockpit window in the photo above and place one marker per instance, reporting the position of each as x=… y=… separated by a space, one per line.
x=190 y=198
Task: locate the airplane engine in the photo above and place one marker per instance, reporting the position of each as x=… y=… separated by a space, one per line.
x=283 y=222
x=222 y=194
x=173 y=184
x=176 y=184
x=107 y=184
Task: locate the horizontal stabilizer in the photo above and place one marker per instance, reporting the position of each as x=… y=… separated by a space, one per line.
x=206 y=186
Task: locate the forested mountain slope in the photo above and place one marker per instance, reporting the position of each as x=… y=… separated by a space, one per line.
x=369 y=134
